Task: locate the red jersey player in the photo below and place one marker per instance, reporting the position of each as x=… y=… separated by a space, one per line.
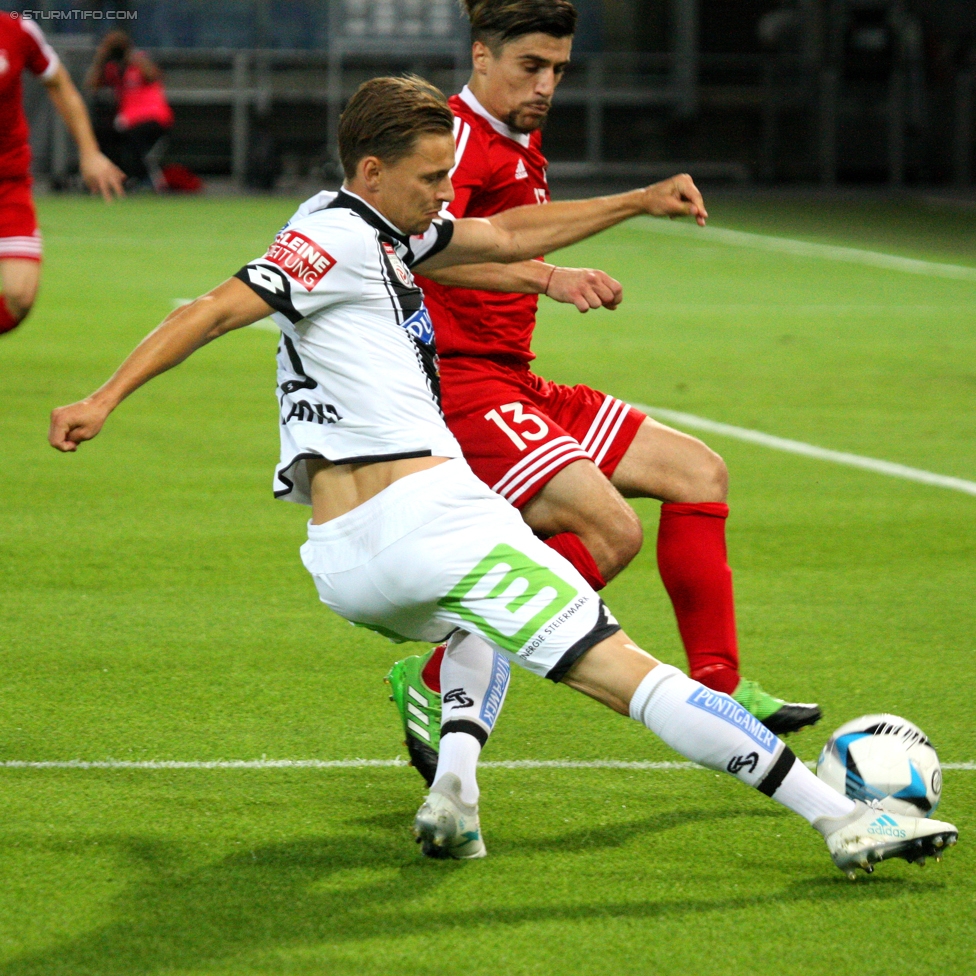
x=567 y=457
x=22 y=46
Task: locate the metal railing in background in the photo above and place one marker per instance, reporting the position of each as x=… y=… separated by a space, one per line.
x=797 y=100
x=253 y=83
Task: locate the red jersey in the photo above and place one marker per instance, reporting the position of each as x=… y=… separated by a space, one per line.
x=495 y=169
x=139 y=101
x=22 y=45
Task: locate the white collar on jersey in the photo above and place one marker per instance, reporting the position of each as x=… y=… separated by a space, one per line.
x=467 y=96
x=396 y=230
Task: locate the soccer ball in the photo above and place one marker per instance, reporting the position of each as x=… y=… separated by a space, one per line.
x=886 y=758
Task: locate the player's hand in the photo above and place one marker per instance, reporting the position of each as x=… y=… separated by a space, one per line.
x=675 y=197
x=585 y=288
x=102 y=176
x=75 y=423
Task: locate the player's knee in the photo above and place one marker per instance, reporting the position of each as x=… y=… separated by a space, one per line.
x=12 y=314
x=17 y=302
x=624 y=539
x=713 y=477
x=704 y=479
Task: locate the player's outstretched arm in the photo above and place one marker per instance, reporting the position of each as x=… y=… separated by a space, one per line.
x=525 y=232
x=100 y=174
x=229 y=306
x=585 y=288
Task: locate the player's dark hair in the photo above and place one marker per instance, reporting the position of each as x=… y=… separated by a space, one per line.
x=385 y=117
x=496 y=22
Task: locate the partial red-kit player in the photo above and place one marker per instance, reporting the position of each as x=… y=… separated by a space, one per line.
x=566 y=457
x=23 y=47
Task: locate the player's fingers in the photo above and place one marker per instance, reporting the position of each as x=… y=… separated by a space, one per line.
x=111 y=187
x=691 y=192
x=96 y=185
x=606 y=292
x=685 y=185
x=72 y=425
x=593 y=298
x=57 y=436
x=580 y=301
x=118 y=182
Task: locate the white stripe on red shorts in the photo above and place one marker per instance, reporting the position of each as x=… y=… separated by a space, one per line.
x=605 y=427
x=21 y=247
x=536 y=465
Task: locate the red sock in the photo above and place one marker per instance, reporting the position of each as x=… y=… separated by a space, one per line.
x=570 y=546
x=432 y=669
x=694 y=568
x=7 y=321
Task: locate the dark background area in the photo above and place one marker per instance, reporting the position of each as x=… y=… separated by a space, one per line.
x=769 y=91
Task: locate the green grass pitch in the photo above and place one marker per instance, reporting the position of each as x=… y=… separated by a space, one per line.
x=154 y=607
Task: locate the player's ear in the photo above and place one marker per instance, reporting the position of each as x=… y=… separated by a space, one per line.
x=371 y=171
x=481 y=57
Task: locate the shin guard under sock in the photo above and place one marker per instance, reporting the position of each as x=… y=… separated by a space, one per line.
x=714 y=730
x=474 y=680
x=691 y=557
x=570 y=546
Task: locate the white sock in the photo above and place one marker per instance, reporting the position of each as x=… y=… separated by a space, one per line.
x=713 y=729
x=811 y=797
x=474 y=681
x=459 y=754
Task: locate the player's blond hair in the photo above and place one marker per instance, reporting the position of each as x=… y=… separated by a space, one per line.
x=496 y=22
x=385 y=117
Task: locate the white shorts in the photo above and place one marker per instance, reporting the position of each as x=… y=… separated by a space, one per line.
x=437 y=552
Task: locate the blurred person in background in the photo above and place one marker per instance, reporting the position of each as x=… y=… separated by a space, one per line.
x=143 y=116
x=22 y=46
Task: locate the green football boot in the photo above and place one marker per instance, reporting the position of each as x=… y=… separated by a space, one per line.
x=777 y=715
x=420 y=712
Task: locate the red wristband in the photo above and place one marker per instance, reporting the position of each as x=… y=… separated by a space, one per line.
x=545 y=291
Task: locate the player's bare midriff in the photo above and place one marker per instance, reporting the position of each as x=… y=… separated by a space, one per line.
x=339 y=488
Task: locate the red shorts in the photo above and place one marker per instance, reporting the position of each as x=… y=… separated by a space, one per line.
x=20 y=236
x=518 y=430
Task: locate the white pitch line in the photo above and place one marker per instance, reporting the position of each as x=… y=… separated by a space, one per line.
x=123 y=764
x=201 y=764
x=807 y=249
x=767 y=440
x=328 y=764
x=889 y=468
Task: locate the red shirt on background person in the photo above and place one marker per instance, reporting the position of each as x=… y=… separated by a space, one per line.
x=141 y=97
x=143 y=116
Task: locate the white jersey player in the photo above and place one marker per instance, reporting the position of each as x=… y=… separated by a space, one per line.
x=364 y=387
x=404 y=538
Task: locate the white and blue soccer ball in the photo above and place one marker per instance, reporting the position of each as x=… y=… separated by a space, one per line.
x=886 y=758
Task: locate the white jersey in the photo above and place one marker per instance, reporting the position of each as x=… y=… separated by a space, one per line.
x=357 y=366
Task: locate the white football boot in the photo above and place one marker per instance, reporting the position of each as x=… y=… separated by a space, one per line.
x=445 y=826
x=871 y=834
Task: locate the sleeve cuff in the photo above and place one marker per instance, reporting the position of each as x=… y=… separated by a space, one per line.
x=49 y=72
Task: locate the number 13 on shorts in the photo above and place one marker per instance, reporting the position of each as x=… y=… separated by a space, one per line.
x=537 y=429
